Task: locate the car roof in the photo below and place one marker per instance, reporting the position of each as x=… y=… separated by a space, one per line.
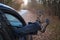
x=5 y=6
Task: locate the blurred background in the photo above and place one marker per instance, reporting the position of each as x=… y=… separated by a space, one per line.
x=31 y=9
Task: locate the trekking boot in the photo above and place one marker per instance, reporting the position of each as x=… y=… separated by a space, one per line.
x=44 y=25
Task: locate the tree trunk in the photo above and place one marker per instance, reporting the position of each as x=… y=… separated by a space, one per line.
x=1 y=1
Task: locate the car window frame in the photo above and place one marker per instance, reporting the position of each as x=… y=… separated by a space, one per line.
x=14 y=18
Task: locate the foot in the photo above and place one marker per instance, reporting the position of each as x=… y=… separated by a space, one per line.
x=44 y=25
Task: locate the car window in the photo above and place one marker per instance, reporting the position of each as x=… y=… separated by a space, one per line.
x=1 y=38
x=13 y=20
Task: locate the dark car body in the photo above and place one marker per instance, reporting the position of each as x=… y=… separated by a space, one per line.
x=8 y=35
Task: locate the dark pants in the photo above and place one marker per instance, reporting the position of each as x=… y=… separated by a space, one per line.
x=27 y=30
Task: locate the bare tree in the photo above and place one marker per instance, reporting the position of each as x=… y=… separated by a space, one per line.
x=16 y=4
x=1 y=1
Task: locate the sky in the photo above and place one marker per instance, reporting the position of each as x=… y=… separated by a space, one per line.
x=25 y=2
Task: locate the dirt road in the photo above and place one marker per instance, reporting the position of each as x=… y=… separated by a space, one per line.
x=52 y=31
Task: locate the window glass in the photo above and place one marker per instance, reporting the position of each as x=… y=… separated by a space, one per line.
x=14 y=21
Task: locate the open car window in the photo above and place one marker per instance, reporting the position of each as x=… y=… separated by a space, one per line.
x=15 y=22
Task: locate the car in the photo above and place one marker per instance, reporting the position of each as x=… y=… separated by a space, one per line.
x=14 y=19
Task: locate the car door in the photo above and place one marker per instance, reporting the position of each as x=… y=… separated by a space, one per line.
x=16 y=23
x=17 y=19
x=1 y=38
